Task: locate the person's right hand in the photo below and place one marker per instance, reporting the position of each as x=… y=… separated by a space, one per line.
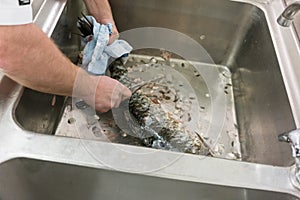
x=100 y=92
x=109 y=94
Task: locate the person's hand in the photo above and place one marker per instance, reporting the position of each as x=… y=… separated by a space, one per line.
x=115 y=33
x=109 y=94
x=100 y=92
x=114 y=36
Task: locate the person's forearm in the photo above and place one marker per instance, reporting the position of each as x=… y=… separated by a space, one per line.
x=30 y=58
x=33 y=60
x=100 y=9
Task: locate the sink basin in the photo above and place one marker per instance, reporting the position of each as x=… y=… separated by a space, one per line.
x=257 y=59
x=235 y=35
x=244 y=46
x=45 y=115
x=34 y=179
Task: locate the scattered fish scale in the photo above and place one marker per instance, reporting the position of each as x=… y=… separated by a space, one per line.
x=148 y=112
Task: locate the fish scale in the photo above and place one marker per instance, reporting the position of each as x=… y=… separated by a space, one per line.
x=151 y=115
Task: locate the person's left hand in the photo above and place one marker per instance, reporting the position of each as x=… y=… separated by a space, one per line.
x=115 y=33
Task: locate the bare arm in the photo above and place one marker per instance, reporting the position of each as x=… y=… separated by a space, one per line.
x=101 y=10
x=33 y=60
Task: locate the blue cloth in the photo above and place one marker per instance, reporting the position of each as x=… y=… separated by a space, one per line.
x=97 y=52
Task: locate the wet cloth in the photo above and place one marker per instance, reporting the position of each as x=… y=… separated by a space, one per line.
x=97 y=52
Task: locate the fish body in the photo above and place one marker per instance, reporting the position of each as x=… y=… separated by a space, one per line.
x=146 y=107
x=167 y=131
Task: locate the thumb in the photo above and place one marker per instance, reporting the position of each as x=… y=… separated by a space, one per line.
x=126 y=93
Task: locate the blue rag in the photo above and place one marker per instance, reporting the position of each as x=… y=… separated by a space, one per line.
x=97 y=52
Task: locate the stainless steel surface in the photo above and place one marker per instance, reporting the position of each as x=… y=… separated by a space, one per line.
x=287 y=16
x=245 y=37
x=45 y=115
x=236 y=35
x=296 y=21
x=35 y=179
x=244 y=45
x=183 y=77
x=46 y=13
x=293 y=137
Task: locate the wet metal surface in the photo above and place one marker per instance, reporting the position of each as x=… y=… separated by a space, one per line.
x=195 y=109
x=263 y=59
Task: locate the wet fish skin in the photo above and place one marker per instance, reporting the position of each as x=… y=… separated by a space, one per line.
x=150 y=114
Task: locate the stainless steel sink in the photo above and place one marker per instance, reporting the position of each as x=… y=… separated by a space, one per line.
x=236 y=35
x=241 y=36
x=34 y=179
x=43 y=117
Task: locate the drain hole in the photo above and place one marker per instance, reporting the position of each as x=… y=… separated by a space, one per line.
x=71 y=121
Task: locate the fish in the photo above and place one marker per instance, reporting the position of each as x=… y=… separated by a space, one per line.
x=167 y=132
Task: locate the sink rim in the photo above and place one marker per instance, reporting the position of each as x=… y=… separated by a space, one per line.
x=18 y=143
x=213 y=170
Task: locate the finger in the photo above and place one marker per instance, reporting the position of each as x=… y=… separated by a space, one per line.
x=113 y=37
x=102 y=109
x=116 y=98
x=117 y=103
x=126 y=93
